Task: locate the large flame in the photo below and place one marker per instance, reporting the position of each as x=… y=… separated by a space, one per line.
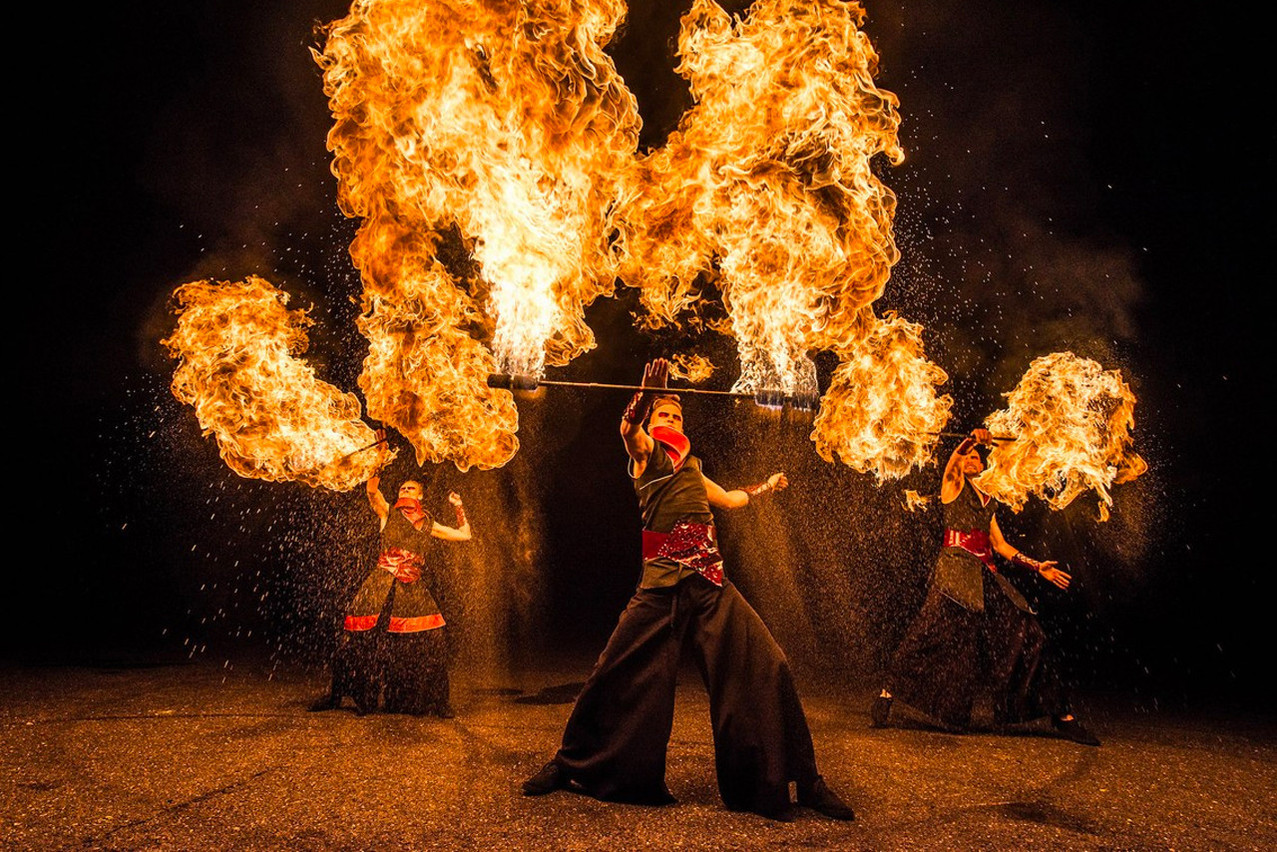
x=881 y=413
x=766 y=191
x=237 y=348
x=506 y=122
x=1072 y=420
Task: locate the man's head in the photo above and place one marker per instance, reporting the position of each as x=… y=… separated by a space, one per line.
x=667 y=411
x=411 y=489
x=970 y=462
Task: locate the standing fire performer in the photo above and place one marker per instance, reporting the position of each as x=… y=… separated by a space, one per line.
x=975 y=627
x=614 y=746
x=393 y=633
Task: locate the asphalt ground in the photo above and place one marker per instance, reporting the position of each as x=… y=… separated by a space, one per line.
x=226 y=756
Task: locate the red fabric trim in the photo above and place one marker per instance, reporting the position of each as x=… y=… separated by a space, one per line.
x=416 y=624
x=975 y=542
x=411 y=509
x=676 y=444
x=404 y=564
x=693 y=545
x=360 y=622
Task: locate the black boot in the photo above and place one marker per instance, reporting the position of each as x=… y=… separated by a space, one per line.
x=549 y=779
x=331 y=701
x=1072 y=729
x=879 y=712
x=821 y=799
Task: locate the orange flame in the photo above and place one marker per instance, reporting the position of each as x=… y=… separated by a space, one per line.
x=881 y=410
x=694 y=368
x=1072 y=420
x=766 y=191
x=237 y=345
x=507 y=122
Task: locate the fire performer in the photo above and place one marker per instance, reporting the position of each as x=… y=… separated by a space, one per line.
x=614 y=746
x=975 y=627
x=393 y=634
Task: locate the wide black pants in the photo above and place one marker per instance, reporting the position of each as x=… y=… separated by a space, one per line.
x=615 y=742
x=950 y=653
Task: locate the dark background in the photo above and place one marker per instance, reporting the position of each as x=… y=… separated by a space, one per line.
x=1084 y=176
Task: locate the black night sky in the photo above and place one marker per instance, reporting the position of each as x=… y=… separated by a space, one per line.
x=1089 y=176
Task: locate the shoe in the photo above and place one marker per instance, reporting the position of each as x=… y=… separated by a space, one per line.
x=785 y=814
x=822 y=800
x=549 y=779
x=879 y=712
x=325 y=702
x=1075 y=731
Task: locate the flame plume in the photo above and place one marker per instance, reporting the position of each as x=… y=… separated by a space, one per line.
x=1073 y=421
x=766 y=191
x=237 y=345
x=507 y=123
x=881 y=403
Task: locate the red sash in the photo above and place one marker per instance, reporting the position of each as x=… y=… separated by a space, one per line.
x=693 y=545
x=404 y=564
x=975 y=542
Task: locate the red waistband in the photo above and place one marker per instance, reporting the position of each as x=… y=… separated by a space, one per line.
x=404 y=564
x=975 y=542
x=690 y=544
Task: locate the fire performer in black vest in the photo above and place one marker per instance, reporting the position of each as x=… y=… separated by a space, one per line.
x=615 y=743
x=975 y=628
x=393 y=634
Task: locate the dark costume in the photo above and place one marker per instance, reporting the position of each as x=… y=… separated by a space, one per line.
x=975 y=629
x=615 y=742
x=393 y=634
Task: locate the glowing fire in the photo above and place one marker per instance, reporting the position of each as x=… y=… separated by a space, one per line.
x=694 y=368
x=507 y=123
x=766 y=192
x=881 y=410
x=237 y=348
x=1072 y=420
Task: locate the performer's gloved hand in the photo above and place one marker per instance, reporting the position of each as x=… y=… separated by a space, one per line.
x=778 y=481
x=983 y=436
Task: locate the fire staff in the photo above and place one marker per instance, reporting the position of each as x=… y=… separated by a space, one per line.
x=614 y=746
x=975 y=627
x=393 y=632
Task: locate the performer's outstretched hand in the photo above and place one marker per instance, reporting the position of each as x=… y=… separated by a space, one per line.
x=778 y=481
x=454 y=498
x=983 y=436
x=1054 y=575
x=656 y=374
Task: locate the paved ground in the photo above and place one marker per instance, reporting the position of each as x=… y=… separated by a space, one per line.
x=201 y=756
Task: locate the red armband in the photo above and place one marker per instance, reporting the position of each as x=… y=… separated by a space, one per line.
x=640 y=405
x=1026 y=561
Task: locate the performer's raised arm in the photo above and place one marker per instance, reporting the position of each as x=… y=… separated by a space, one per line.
x=637 y=442
x=1046 y=570
x=461 y=532
x=738 y=497
x=956 y=471
x=376 y=499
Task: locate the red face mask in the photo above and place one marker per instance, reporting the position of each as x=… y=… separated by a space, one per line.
x=677 y=445
x=411 y=509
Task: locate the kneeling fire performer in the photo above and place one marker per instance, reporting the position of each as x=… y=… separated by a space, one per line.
x=615 y=743
x=975 y=628
x=393 y=636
